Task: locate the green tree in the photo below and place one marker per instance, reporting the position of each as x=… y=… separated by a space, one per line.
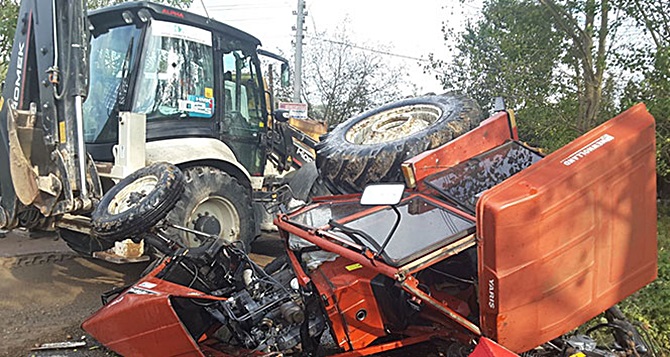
x=513 y=51
x=652 y=60
x=586 y=26
x=9 y=9
x=565 y=68
x=550 y=59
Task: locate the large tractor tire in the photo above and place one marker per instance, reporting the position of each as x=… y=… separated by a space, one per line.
x=83 y=244
x=371 y=147
x=216 y=203
x=137 y=202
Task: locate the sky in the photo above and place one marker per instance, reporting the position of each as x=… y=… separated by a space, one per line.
x=410 y=28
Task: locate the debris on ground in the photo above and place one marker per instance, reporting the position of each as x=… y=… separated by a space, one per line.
x=59 y=345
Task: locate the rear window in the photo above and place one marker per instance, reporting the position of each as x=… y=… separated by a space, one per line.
x=464 y=183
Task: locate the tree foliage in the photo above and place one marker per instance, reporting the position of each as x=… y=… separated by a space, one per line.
x=586 y=27
x=10 y=12
x=341 y=80
x=565 y=65
x=514 y=52
x=652 y=61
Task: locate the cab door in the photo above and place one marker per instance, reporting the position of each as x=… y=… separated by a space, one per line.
x=244 y=115
x=570 y=236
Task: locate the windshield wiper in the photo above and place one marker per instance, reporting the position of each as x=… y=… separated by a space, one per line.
x=122 y=90
x=356 y=235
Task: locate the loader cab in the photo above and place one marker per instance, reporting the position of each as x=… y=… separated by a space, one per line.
x=190 y=76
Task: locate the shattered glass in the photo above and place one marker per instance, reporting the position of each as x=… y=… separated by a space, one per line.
x=464 y=183
x=177 y=73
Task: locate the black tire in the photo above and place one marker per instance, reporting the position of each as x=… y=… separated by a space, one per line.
x=82 y=243
x=127 y=210
x=212 y=192
x=371 y=147
x=276 y=264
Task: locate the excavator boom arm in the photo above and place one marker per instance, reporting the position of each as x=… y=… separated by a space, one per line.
x=44 y=167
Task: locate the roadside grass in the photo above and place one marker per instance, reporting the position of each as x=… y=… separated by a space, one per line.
x=651 y=305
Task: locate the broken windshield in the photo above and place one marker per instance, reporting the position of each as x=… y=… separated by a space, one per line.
x=176 y=77
x=462 y=184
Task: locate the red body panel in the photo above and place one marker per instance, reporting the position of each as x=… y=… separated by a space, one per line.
x=491 y=133
x=141 y=325
x=145 y=324
x=488 y=348
x=570 y=236
x=346 y=285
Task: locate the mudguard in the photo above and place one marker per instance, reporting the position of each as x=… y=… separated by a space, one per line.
x=570 y=236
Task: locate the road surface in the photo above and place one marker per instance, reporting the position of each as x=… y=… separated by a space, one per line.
x=46 y=292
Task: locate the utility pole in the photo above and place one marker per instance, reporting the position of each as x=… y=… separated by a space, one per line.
x=297 y=81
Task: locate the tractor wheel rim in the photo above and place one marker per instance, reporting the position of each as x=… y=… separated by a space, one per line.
x=221 y=209
x=131 y=195
x=393 y=124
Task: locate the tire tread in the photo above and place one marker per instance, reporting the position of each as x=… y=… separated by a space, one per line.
x=347 y=168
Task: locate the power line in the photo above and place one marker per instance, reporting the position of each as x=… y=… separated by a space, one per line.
x=386 y=53
x=205 y=8
x=248 y=7
x=242 y=19
x=246 y=4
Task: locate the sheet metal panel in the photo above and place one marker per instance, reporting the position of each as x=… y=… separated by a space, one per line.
x=491 y=133
x=570 y=236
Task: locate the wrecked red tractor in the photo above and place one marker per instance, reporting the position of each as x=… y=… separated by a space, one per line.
x=489 y=247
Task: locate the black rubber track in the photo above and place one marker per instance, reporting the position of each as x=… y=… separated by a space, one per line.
x=82 y=243
x=205 y=181
x=151 y=209
x=347 y=167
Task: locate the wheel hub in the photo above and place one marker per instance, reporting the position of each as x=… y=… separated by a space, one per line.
x=136 y=197
x=208 y=224
x=214 y=215
x=393 y=124
x=132 y=194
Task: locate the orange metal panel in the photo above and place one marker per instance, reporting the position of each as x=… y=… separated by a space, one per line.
x=488 y=348
x=141 y=325
x=490 y=133
x=570 y=236
x=350 y=302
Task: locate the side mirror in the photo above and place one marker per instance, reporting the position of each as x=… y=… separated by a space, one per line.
x=382 y=194
x=285 y=76
x=281 y=115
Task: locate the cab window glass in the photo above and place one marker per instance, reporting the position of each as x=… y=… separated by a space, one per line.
x=111 y=58
x=241 y=92
x=243 y=119
x=176 y=78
